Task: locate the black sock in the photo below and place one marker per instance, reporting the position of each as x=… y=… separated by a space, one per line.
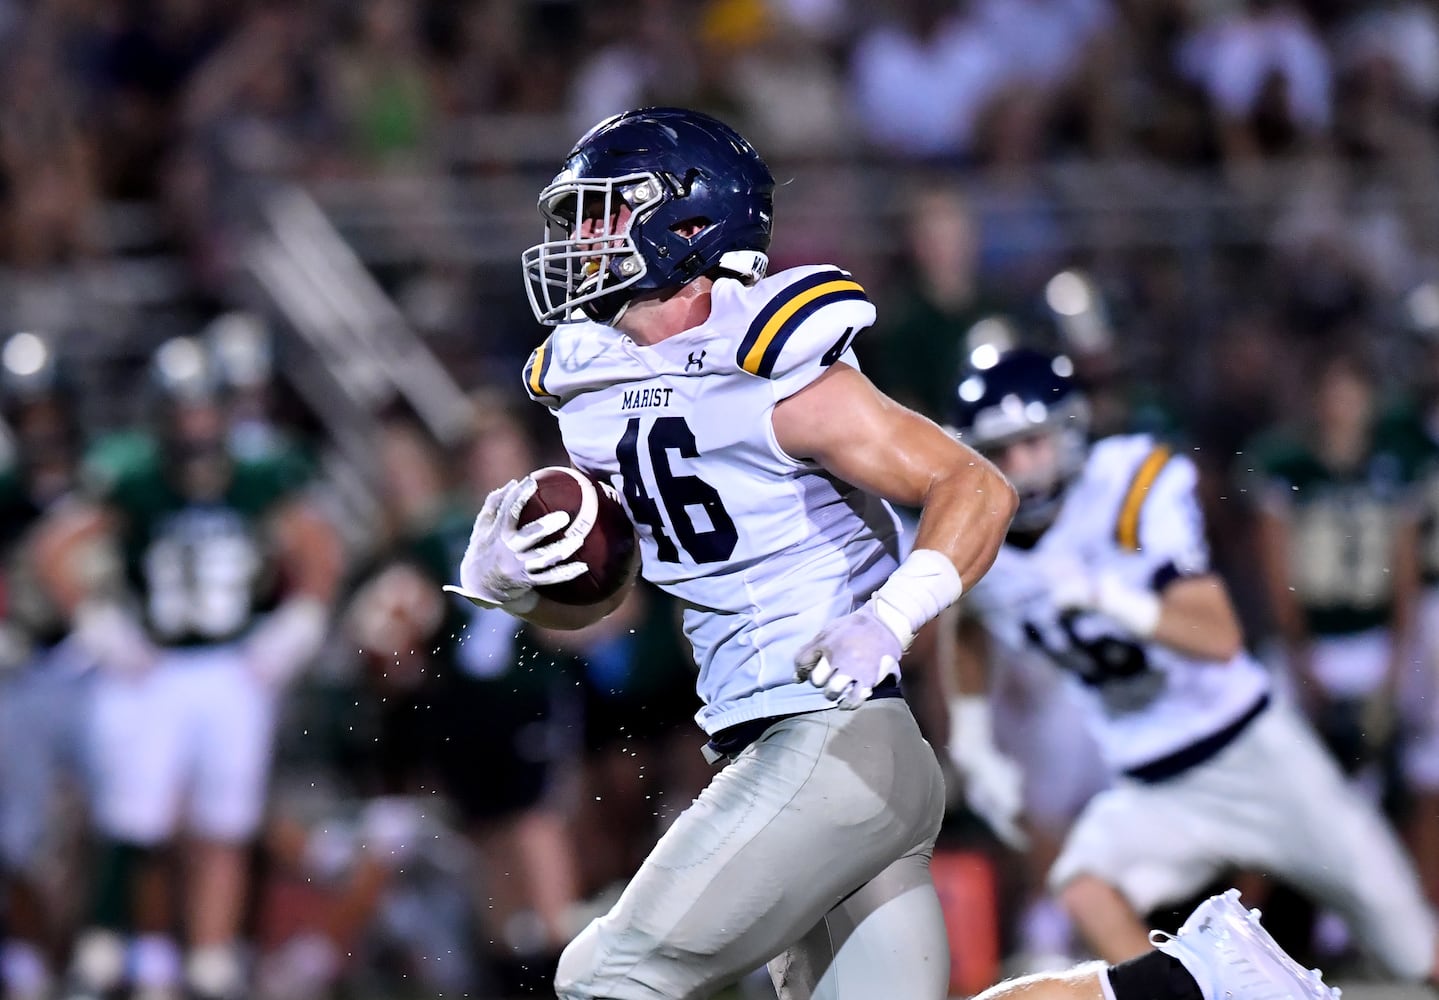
x=1153 y=976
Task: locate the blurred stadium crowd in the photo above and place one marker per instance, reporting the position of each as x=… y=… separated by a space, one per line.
x=271 y=249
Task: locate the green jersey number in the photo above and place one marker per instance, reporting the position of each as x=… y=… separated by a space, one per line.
x=1341 y=552
x=200 y=578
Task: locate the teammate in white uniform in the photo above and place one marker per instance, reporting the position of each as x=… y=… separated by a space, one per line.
x=750 y=452
x=1106 y=575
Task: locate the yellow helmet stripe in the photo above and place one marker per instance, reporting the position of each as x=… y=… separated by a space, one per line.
x=1126 y=531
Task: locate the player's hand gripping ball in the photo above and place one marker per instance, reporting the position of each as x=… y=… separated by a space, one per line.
x=610 y=550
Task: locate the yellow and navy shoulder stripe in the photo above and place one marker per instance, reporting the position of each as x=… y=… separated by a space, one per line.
x=783 y=314
x=1126 y=528
x=536 y=368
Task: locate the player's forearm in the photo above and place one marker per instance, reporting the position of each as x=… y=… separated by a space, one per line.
x=1284 y=605
x=75 y=557
x=1197 y=619
x=1404 y=578
x=966 y=514
x=965 y=656
x=311 y=553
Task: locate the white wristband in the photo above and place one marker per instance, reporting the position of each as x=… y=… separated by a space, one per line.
x=1137 y=610
x=924 y=585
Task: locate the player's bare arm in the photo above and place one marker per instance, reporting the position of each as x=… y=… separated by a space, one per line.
x=1197 y=618
x=993 y=782
x=1284 y=604
x=865 y=438
x=311 y=557
x=1404 y=575
x=964 y=648
x=74 y=553
x=309 y=548
x=852 y=430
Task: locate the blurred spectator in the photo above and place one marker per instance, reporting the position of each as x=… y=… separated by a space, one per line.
x=251 y=114
x=481 y=58
x=148 y=52
x=49 y=163
x=1057 y=54
x=1395 y=44
x=44 y=690
x=928 y=48
x=635 y=52
x=1267 y=77
x=1412 y=427
x=1339 y=556
x=382 y=91
x=642 y=760
x=918 y=348
x=782 y=80
x=478 y=687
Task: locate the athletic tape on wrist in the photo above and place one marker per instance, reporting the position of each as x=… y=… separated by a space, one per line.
x=924 y=585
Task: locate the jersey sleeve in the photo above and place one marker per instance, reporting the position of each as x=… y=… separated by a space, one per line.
x=807 y=326
x=535 y=372
x=118 y=468
x=264 y=482
x=1160 y=517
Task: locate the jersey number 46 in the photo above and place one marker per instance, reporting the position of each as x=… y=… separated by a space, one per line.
x=686 y=499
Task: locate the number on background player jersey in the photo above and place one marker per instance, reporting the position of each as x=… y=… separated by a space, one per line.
x=1342 y=552
x=1117 y=668
x=683 y=497
x=200 y=577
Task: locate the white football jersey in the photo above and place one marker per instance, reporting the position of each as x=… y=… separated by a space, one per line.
x=1132 y=512
x=762 y=548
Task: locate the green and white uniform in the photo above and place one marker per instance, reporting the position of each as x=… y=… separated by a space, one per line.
x=1343 y=527
x=188 y=743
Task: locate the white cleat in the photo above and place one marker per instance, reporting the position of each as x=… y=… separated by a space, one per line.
x=1232 y=957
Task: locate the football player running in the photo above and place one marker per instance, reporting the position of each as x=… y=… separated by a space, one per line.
x=1105 y=575
x=756 y=461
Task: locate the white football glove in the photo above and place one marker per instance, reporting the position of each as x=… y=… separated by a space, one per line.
x=1075 y=588
x=993 y=783
x=849 y=657
x=503 y=562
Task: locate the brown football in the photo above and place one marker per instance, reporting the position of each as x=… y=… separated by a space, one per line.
x=610 y=549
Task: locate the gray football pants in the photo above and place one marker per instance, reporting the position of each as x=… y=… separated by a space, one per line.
x=810 y=851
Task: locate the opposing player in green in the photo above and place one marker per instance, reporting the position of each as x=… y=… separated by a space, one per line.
x=1338 y=538
x=199 y=581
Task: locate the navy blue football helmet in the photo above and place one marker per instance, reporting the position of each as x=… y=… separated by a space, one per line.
x=673 y=170
x=1023 y=394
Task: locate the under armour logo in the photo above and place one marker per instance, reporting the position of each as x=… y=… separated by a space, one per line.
x=696 y=362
